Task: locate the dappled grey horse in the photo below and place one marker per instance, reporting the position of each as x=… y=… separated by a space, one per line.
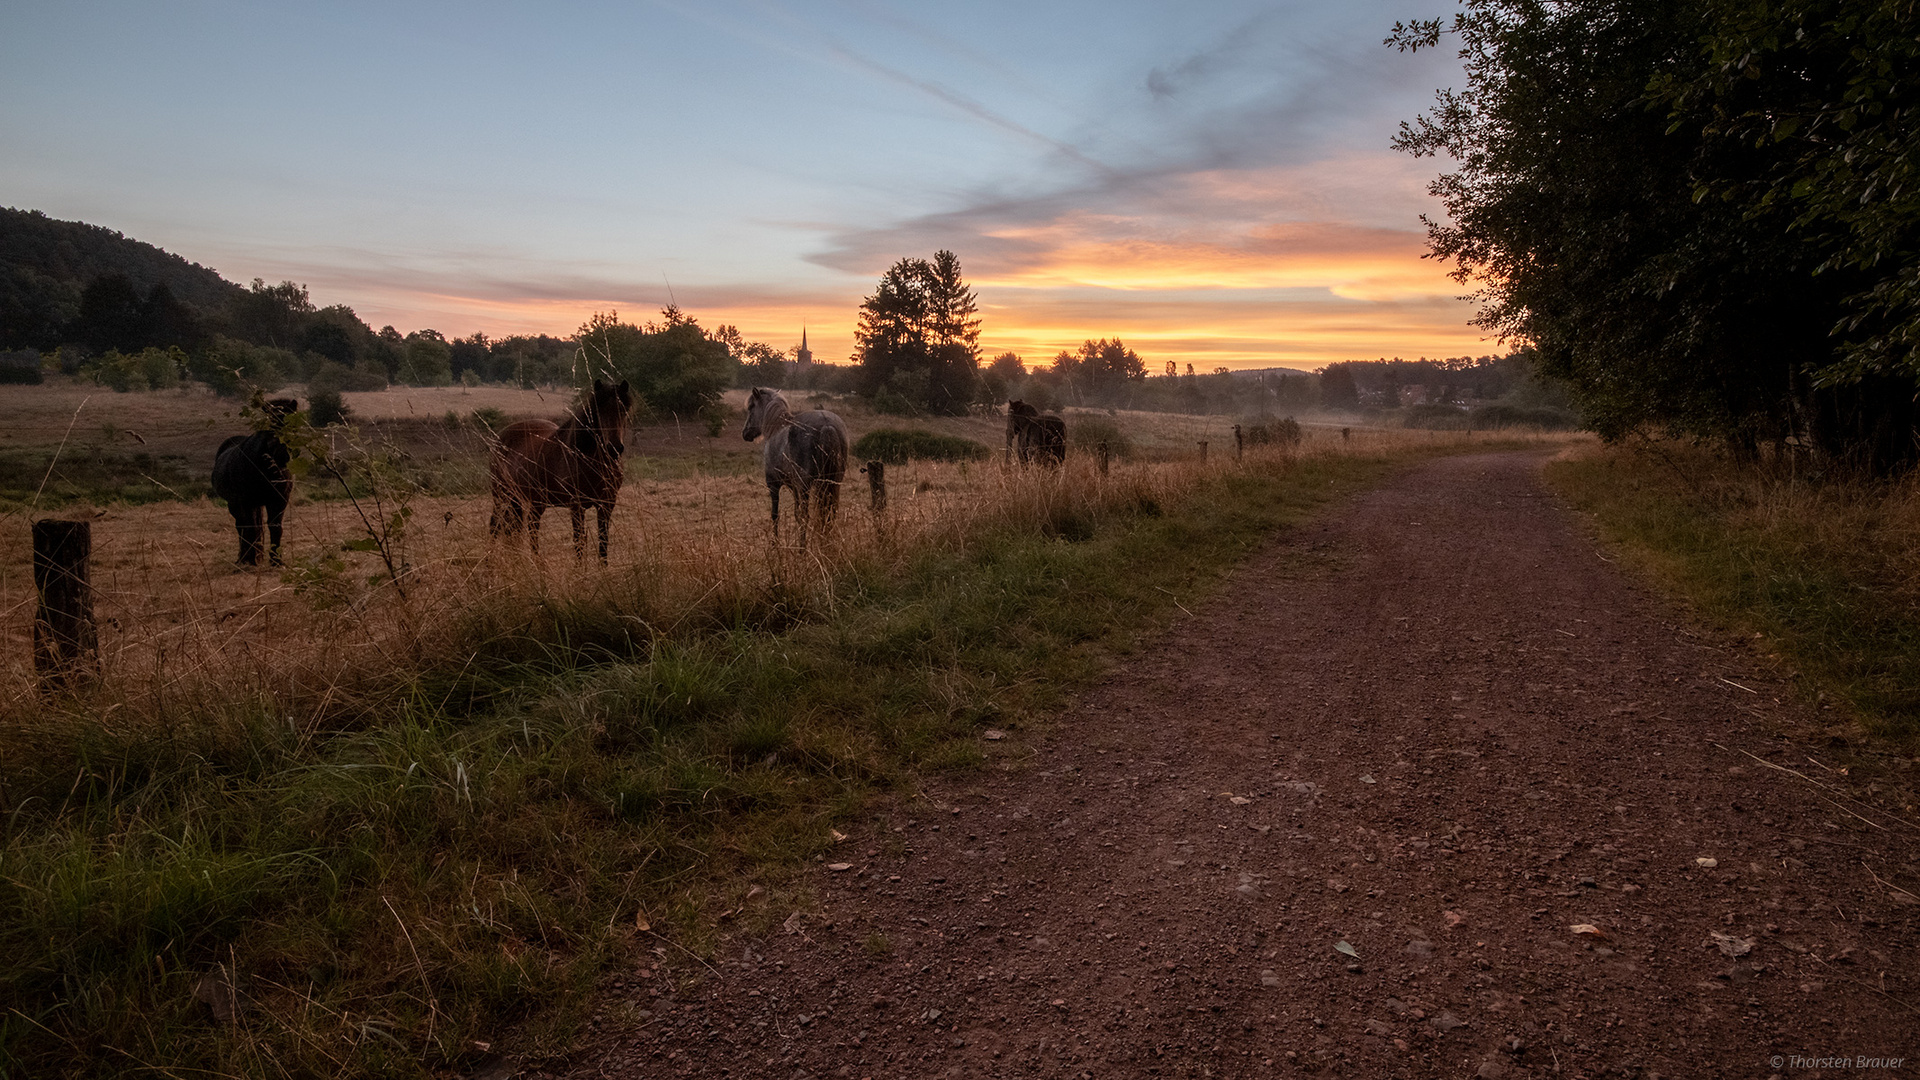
x=806 y=452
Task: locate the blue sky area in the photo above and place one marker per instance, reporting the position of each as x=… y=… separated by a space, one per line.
x=1210 y=181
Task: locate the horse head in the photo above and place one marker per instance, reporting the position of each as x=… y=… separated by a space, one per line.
x=766 y=410
x=607 y=410
x=1019 y=415
x=276 y=411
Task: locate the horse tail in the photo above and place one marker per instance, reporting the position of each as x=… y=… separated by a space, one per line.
x=830 y=464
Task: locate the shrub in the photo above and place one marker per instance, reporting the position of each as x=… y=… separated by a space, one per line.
x=490 y=419
x=1437 y=418
x=1088 y=432
x=1496 y=417
x=1285 y=432
x=325 y=407
x=896 y=447
x=20 y=368
x=233 y=368
x=148 y=369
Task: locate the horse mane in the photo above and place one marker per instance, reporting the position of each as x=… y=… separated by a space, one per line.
x=581 y=431
x=779 y=412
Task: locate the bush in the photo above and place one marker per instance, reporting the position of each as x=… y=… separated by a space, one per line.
x=20 y=368
x=1436 y=418
x=148 y=369
x=325 y=407
x=1497 y=417
x=1088 y=432
x=896 y=447
x=1285 y=432
x=234 y=368
x=490 y=419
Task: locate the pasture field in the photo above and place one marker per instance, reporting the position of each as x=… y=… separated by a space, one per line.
x=314 y=822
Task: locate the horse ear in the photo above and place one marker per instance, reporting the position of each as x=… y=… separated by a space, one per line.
x=626 y=393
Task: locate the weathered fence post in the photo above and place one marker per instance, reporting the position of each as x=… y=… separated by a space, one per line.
x=1106 y=455
x=66 y=644
x=1203 y=451
x=877 y=482
x=1239 y=443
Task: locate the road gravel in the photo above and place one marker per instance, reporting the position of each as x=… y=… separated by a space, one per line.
x=1431 y=788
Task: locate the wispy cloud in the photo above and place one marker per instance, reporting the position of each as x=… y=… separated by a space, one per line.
x=970 y=107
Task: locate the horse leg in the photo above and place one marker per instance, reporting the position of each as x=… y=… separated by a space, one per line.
x=773 y=491
x=604 y=512
x=246 y=522
x=533 y=527
x=829 y=502
x=801 y=510
x=508 y=516
x=275 y=511
x=577 y=514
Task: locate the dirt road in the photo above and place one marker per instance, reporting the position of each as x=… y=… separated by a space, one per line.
x=1430 y=790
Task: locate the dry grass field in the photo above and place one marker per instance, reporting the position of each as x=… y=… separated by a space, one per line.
x=179 y=619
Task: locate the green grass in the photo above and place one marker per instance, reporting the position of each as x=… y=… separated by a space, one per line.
x=459 y=858
x=1823 y=569
x=93 y=476
x=897 y=446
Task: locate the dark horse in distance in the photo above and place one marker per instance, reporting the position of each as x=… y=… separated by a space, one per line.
x=1038 y=438
x=575 y=464
x=250 y=472
x=806 y=452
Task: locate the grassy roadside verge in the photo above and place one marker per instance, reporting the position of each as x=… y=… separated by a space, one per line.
x=1825 y=569
x=225 y=891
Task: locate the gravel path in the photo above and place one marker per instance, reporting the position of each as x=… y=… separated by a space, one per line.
x=1431 y=789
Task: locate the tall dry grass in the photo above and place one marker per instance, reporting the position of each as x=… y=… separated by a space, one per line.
x=331 y=638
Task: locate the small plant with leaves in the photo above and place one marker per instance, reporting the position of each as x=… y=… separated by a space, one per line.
x=370 y=476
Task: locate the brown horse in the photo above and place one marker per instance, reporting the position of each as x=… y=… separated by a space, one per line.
x=576 y=464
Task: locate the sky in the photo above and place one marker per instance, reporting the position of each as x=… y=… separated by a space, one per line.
x=1209 y=181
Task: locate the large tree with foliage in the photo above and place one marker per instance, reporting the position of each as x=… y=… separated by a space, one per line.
x=918 y=340
x=1100 y=370
x=1614 y=212
x=674 y=365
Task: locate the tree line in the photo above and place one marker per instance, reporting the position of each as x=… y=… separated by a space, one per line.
x=131 y=326
x=917 y=350
x=1702 y=215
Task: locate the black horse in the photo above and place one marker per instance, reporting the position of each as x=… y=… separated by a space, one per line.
x=250 y=472
x=1036 y=438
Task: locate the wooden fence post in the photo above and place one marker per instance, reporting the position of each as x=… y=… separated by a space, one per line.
x=1203 y=451
x=1346 y=433
x=1239 y=443
x=66 y=644
x=1106 y=455
x=877 y=482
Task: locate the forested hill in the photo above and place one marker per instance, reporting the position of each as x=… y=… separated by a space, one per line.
x=75 y=253
x=46 y=266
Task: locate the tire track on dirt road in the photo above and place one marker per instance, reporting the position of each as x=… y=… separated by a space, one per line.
x=1435 y=726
